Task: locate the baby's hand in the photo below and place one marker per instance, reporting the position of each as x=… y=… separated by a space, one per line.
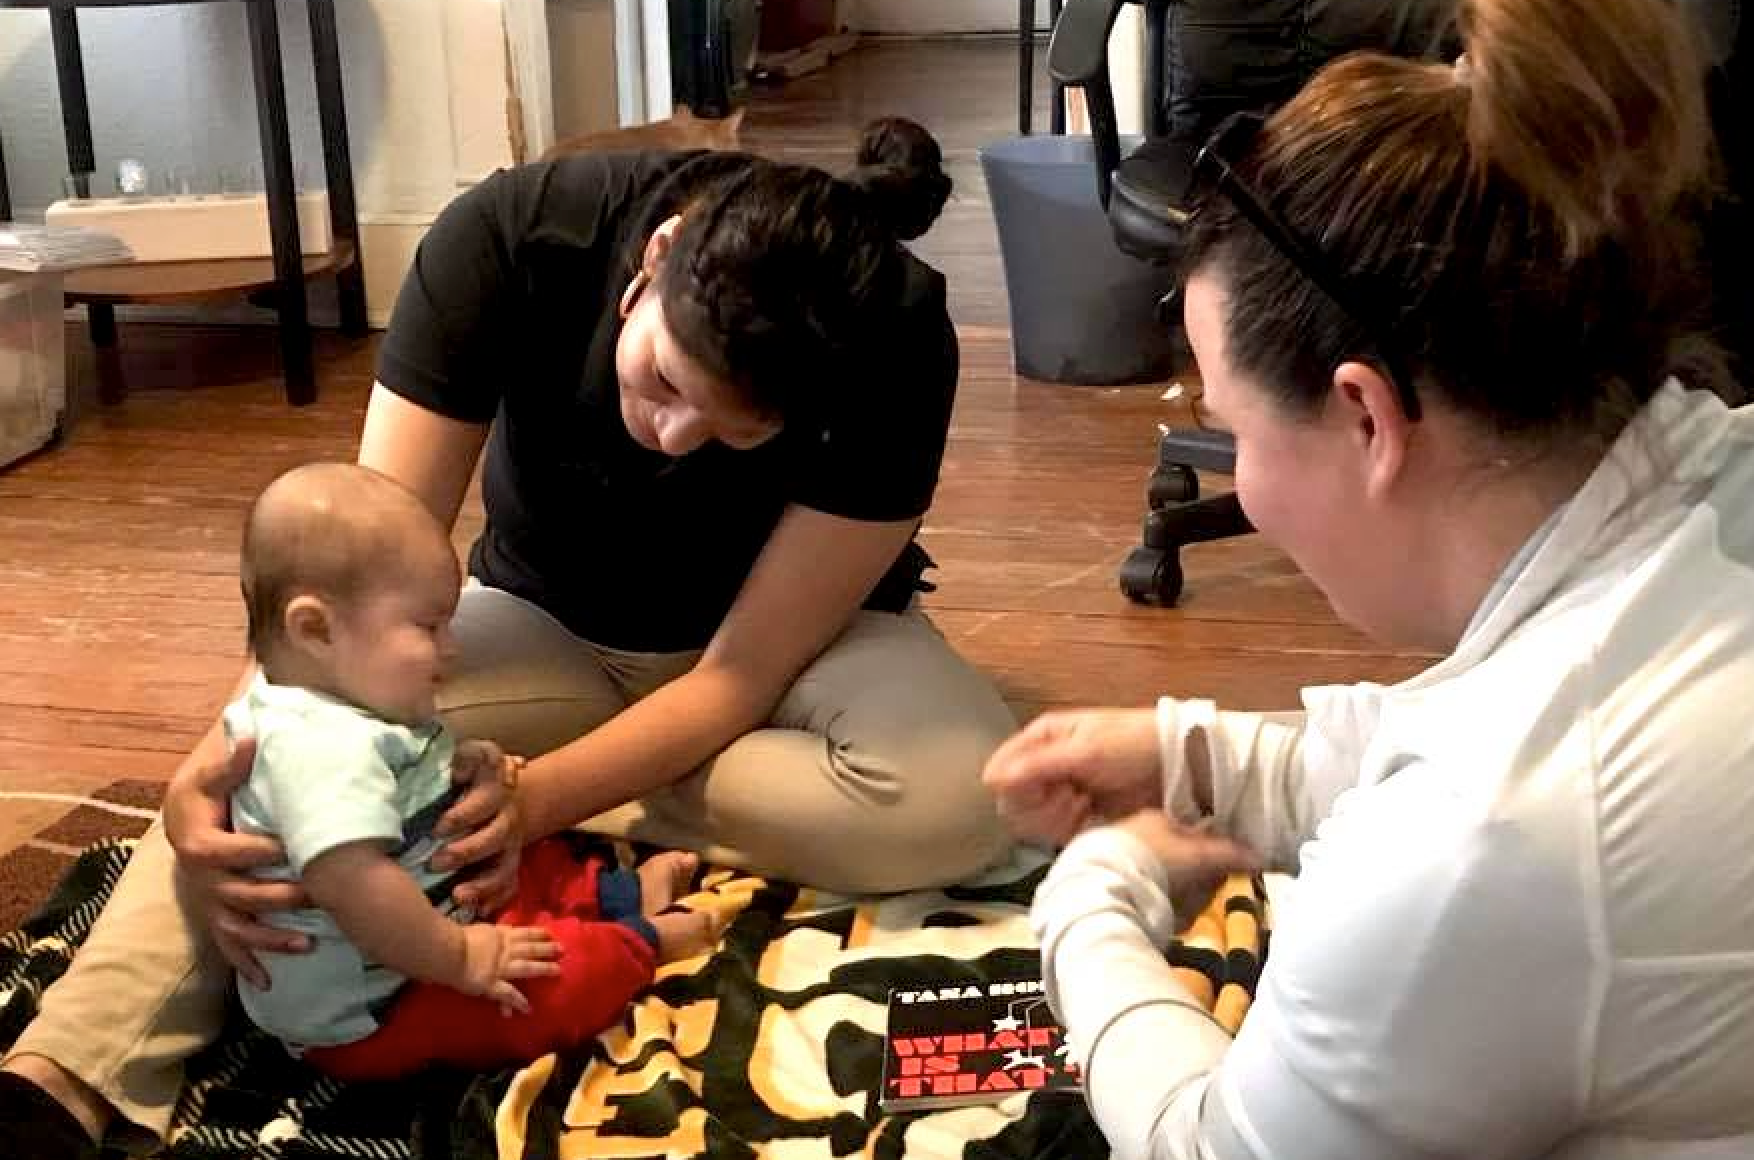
x=496 y=957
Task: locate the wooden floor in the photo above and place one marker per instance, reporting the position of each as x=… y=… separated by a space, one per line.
x=121 y=628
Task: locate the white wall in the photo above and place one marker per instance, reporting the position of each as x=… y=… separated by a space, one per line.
x=581 y=37
x=426 y=104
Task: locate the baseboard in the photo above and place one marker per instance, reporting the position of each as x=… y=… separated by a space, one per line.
x=389 y=242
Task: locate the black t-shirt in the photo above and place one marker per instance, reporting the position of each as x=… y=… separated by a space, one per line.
x=509 y=315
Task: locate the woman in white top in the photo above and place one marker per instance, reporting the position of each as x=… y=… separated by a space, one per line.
x=1440 y=309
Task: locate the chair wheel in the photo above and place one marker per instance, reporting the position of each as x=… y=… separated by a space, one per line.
x=1154 y=531
x=1172 y=484
x=1149 y=576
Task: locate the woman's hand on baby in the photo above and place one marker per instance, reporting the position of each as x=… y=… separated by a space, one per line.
x=1065 y=771
x=215 y=863
x=485 y=826
x=1196 y=861
x=497 y=958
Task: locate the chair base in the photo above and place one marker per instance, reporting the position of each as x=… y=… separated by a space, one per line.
x=1176 y=515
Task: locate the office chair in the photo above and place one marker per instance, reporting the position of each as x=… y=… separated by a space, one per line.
x=1209 y=58
x=1204 y=60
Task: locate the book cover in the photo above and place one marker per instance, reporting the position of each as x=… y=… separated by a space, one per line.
x=966 y=1043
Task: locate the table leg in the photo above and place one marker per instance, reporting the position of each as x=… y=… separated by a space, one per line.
x=289 y=283
x=75 y=113
x=1057 y=91
x=338 y=162
x=81 y=164
x=111 y=386
x=1025 y=64
x=5 y=186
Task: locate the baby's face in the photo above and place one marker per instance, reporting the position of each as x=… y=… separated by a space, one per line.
x=392 y=646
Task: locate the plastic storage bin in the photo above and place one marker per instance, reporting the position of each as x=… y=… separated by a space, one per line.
x=33 y=364
x=1082 y=311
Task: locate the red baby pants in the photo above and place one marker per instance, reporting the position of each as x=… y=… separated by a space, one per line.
x=607 y=957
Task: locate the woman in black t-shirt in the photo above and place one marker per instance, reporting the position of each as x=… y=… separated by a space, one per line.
x=713 y=392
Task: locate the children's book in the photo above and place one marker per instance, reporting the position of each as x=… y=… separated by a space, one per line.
x=967 y=1043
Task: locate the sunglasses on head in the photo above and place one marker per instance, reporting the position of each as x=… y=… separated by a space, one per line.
x=1215 y=173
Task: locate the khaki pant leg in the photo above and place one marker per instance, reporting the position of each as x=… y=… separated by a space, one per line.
x=145 y=992
x=521 y=679
x=867 y=780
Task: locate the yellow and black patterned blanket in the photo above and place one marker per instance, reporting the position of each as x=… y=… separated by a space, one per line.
x=768 y=1047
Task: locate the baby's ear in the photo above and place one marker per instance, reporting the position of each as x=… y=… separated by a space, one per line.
x=306 y=622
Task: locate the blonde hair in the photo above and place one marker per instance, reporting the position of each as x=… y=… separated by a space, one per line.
x=1517 y=225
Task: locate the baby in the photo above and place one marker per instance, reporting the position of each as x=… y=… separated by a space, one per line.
x=351 y=584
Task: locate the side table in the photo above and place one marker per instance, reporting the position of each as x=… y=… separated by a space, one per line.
x=101 y=289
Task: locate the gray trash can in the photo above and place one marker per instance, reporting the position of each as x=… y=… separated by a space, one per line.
x=1081 y=310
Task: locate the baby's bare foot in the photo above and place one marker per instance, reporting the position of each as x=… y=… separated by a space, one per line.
x=682 y=934
x=663 y=878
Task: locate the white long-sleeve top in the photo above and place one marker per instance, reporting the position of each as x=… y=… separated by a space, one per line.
x=1524 y=920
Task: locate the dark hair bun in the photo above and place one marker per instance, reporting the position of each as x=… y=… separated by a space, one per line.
x=901 y=170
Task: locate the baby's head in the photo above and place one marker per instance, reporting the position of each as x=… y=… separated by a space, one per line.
x=350 y=585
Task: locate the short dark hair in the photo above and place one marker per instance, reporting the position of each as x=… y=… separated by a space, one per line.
x=777 y=270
